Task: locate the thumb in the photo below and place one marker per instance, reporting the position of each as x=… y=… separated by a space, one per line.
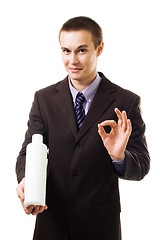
x=102 y=132
x=20 y=193
x=20 y=190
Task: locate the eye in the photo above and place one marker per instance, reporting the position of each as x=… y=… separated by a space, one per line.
x=82 y=50
x=66 y=51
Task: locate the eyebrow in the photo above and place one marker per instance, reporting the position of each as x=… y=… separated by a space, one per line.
x=81 y=46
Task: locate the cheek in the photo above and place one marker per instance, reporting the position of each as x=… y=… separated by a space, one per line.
x=86 y=60
x=92 y=61
x=65 y=60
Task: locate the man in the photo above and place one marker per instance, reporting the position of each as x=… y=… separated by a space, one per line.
x=91 y=143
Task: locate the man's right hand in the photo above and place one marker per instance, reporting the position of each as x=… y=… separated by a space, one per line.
x=34 y=210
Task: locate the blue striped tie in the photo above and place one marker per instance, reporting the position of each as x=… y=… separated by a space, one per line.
x=79 y=111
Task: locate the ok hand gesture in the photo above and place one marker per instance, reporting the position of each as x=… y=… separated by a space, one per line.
x=116 y=141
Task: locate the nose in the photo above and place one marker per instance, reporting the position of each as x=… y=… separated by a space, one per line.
x=74 y=59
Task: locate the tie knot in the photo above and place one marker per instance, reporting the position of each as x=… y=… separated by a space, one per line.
x=80 y=99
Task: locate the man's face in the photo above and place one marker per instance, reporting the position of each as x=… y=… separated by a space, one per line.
x=79 y=55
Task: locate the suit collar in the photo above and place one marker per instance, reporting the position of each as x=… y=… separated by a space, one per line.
x=101 y=102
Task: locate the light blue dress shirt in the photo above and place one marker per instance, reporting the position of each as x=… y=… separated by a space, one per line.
x=89 y=94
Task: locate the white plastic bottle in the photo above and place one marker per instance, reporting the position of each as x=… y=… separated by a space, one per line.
x=35 y=172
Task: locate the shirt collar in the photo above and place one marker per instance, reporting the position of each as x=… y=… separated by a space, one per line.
x=88 y=92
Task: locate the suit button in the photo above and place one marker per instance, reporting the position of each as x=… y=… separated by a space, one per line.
x=75 y=176
x=129 y=177
x=74 y=204
x=78 y=145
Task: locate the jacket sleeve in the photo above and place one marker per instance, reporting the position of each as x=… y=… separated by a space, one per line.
x=137 y=160
x=35 y=125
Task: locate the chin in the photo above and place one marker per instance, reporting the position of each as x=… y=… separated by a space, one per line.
x=75 y=76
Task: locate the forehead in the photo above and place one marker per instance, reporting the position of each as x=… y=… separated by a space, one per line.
x=74 y=39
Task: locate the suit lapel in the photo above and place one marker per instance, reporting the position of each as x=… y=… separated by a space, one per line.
x=101 y=102
x=64 y=101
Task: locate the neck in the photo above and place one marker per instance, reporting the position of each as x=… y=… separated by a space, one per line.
x=80 y=84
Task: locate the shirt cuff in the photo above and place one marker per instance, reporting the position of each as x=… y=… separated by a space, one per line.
x=119 y=165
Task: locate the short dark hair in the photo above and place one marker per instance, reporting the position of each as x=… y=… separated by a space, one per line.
x=84 y=23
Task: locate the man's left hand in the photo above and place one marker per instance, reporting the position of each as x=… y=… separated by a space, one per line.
x=116 y=141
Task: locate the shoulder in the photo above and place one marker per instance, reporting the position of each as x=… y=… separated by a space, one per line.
x=52 y=89
x=117 y=90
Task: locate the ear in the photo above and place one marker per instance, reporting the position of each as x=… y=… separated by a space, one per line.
x=100 y=49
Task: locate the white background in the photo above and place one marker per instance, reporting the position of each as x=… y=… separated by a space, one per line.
x=30 y=59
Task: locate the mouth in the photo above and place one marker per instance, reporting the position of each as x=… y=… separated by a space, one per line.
x=75 y=70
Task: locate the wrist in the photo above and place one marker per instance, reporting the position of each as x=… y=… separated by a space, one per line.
x=118 y=158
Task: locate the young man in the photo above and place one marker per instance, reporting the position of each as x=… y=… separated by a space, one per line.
x=91 y=143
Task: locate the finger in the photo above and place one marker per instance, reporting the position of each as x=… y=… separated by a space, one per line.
x=129 y=126
x=110 y=123
x=118 y=113
x=42 y=208
x=102 y=132
x=124 y=120
x=29 y=209
x=38 y=209
x=45 y=207
x=35 y=210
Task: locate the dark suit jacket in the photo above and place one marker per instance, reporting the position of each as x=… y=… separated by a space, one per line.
x=82 y=184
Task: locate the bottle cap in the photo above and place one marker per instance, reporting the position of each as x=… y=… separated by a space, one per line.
x=37 y=138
